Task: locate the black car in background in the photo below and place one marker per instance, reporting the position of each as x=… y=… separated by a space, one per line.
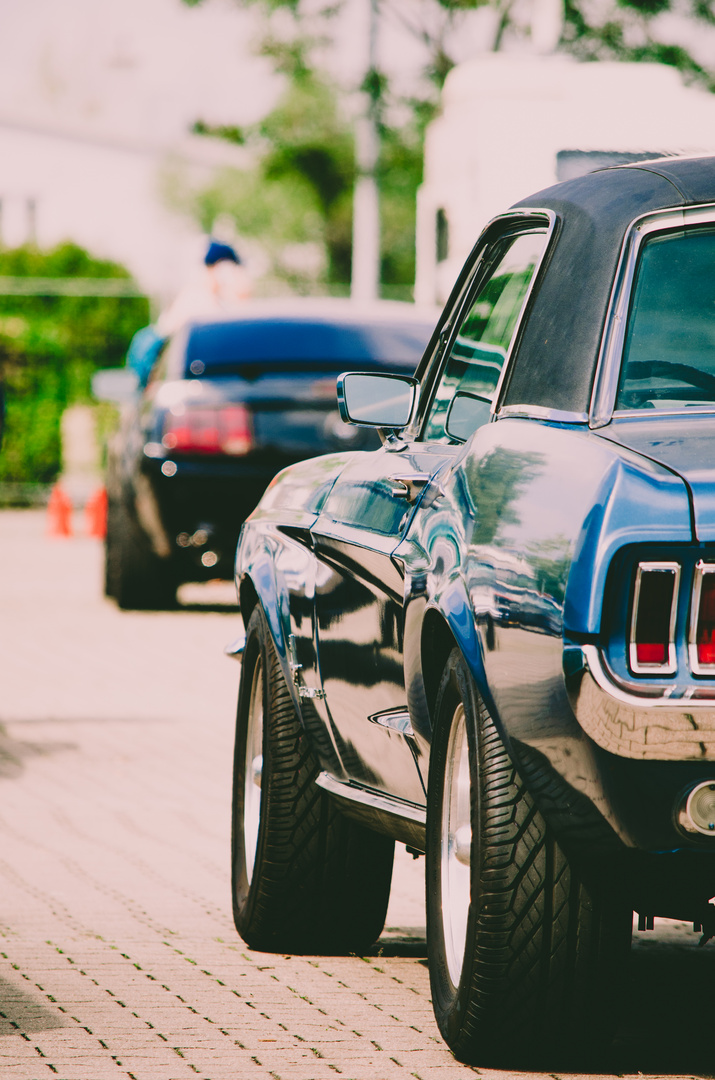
x=228 y=404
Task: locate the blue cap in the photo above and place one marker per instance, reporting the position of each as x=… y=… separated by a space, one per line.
x=217 y=252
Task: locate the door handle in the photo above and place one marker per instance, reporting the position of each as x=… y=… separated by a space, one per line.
x=408 y=486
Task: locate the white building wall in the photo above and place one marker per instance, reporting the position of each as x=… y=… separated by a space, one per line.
x=504 y=120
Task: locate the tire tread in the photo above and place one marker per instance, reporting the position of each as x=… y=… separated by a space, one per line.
x=543 y=946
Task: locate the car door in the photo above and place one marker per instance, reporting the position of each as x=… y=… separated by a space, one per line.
x=359 y=591
x=360 y=577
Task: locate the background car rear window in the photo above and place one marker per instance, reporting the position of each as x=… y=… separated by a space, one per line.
x=669 y=351
x=253 y=347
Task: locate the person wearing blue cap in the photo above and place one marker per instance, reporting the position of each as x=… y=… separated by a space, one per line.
x=222 y=285
x=218 y=252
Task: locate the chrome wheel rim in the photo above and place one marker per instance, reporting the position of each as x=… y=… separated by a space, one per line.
x=456 y=846
x=253 y=771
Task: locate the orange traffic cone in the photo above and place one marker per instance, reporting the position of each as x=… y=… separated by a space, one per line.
x=59 y=513
x=95 y=514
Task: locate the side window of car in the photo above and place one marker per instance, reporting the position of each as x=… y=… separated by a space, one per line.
x=158 y=370
x=476 y=356
x=170 y=361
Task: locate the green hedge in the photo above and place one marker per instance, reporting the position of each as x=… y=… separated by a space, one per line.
x=49 y=348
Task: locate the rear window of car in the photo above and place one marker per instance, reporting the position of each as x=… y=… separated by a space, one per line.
x=251 y=348
x=669 y=350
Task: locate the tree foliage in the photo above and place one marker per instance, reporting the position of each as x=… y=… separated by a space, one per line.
x=300 y=191
x=49 y=348
x=631 y=30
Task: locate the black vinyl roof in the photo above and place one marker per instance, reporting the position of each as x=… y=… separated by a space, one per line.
x=555 y=360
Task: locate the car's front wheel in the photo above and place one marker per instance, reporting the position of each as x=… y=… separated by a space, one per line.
x=524 y=955
x=305 y=878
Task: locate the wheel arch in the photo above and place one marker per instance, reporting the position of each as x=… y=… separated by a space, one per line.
x=437 y=642
x=247 y=598
x=258 y=585
x=446 y=624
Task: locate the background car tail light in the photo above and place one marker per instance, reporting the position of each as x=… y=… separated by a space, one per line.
x=702 y=620
x=655 y=600
x=224 y=430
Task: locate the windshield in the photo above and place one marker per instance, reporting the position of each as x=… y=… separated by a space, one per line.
x=253 y=347
x=669 y=351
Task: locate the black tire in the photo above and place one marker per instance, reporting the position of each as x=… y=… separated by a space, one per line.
x=536 y=961
x=134 y=575
x=305 y=879
x=110 y=553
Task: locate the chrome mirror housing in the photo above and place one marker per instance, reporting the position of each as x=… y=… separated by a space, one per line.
x=376 y=400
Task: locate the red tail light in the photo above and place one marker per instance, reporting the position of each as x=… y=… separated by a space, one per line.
x=224 y=430
x=702 y=620
x=655 y=601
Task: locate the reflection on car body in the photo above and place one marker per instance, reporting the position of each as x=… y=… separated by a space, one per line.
x=503 y=645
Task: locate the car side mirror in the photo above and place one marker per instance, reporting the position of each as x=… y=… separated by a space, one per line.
x=376 y=400
x=118 y=385
x=466 y=413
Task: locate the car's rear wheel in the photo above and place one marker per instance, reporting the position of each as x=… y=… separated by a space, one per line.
x=305 y=878
x=133 y=574
x=524 y=955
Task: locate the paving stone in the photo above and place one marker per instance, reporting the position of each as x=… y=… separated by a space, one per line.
x=116 y=936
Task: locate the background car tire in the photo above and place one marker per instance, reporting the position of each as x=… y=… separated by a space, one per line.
x=133 y=574
x=531 y=957
x=305 y=879
x=111 y=551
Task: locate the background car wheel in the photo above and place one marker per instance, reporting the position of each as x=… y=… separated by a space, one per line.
x=523 y=954
x=111 y=551
x=136 y=577
x=305 y=878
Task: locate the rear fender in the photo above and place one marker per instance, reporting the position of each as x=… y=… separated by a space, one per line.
x=432 y=629
x=257 y=577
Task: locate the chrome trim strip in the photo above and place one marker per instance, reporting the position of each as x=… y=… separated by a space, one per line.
x=642 y=696
x=391 y=376
x=541 y=412
x=551 y=221
x=608 y=366
x=651 y=414
x=387 y=804
x=701 y=569
x=670 y=666
x=435 y=367
x=395 y=720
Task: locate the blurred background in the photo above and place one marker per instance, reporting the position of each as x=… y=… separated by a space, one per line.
x=343 y=147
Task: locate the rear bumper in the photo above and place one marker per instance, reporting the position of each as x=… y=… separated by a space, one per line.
x=199 y=511
x=635 y=726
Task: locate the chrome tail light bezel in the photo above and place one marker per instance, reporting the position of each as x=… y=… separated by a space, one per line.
x=669 y=667
x=702 y=570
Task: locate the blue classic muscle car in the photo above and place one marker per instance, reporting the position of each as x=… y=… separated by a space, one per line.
x=493 y=638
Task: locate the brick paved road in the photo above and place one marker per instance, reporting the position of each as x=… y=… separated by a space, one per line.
x=118 y=957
